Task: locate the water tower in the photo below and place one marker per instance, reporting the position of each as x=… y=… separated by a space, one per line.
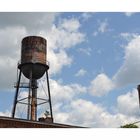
x=33 y=66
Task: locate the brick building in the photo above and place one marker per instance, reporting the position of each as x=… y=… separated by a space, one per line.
x=7 y=122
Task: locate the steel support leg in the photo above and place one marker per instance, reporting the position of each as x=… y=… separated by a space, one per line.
x=49 y=94
x=16 y=96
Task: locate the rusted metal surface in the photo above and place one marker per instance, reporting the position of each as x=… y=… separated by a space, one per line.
x=7 y=122
x=33 y=50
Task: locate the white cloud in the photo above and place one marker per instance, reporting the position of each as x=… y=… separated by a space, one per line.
x=128 y=103
x=101 y=85
x=61 y=117
x=61 y=92
x=60 y=38
x=103 y=27
x=69 y=24
x=9 y=54
x=85 y=113
x=64 y=93
x=129 y=71
x=10 y=44
x=58 y=60
x=81 y=72
x=65 y=36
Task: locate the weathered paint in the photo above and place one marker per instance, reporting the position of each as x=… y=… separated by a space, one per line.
x=33 y=50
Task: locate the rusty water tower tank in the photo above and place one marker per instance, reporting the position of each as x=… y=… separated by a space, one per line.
x=33 y=56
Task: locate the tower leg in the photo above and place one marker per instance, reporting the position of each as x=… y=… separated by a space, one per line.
x=49 y=94
x=16 y=96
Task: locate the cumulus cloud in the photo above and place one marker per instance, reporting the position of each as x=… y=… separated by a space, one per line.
x=9 y=54
x=81 y=72
x=69 y=24
x=128 y=103
x=64 y=93
x=101 y=85
x=61 y=37
x=86 y=113
x=65 y=35
x=129 y=71
x=58 y=60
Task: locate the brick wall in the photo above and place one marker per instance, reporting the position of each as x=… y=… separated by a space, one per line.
x=6 y=122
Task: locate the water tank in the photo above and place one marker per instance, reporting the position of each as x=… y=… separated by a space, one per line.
x=33 y=56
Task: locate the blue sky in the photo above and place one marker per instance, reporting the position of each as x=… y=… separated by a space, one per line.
x=94 y=64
